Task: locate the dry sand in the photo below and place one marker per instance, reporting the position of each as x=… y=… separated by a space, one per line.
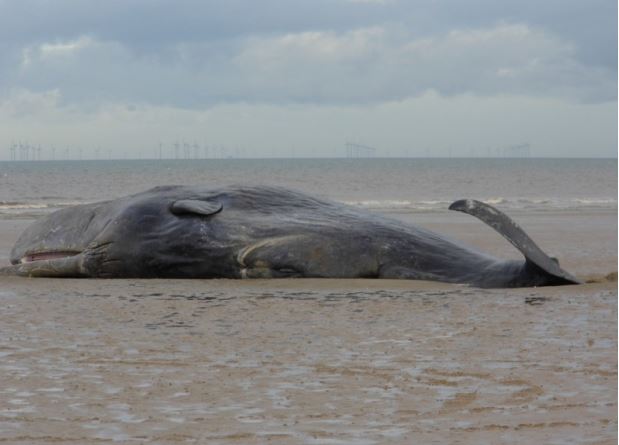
x=315 y=361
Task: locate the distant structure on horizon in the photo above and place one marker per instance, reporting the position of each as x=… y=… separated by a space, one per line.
x=359 y=151
x=182 y=149
x=24 y=152
x=518 y=151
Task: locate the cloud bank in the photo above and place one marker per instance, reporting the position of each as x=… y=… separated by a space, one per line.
x=68 y=57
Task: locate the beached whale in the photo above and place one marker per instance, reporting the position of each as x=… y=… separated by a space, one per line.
x=264 y=232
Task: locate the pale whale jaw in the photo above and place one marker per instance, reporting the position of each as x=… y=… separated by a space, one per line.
x=46 y=255
x=59 y=267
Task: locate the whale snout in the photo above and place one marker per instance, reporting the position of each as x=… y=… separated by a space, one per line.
x=62 y=234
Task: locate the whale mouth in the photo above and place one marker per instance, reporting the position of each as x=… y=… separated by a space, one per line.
x=47 y=255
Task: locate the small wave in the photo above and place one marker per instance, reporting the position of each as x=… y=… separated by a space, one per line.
x=377 y=204
x=562 y=203
x=32 y=209
x=9 y=205
x=41 y=206
x=495 y=201
x=68 y=203
x=501 y=202
x=597 y=201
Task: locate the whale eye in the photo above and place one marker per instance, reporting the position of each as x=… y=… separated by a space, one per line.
x=189 y=206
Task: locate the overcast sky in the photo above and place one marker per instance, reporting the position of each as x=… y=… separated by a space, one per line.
x=303 y=77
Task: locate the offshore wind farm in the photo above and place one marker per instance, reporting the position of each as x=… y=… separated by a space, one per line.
x=27 y=151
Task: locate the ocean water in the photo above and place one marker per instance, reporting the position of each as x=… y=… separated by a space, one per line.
x=30 y=189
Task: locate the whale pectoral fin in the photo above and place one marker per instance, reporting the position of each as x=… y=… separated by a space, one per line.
x=306 y=256
x=276 y=257
x=515 y=235
x=195 y=206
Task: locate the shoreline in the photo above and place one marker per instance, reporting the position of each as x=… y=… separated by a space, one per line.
x=593 y=283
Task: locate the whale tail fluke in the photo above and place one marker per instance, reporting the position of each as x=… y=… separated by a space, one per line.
x=536 y=258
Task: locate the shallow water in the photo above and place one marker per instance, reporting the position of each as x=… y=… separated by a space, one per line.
x=404 y=185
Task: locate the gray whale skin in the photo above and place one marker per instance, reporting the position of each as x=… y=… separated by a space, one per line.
x=264 y=232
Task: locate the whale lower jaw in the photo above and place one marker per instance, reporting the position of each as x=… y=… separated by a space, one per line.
x=66 y=266
x=46 y=255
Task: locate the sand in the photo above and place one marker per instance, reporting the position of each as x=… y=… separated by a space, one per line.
x=317 y=361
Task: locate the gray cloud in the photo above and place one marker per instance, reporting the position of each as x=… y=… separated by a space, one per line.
x=410 y=77
x=199 y=53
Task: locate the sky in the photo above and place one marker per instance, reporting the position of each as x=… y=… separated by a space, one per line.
x=302 y=78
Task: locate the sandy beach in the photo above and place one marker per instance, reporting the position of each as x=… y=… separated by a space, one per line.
x=318 y=361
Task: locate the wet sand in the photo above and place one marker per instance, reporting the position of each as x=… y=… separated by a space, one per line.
x=317 y=361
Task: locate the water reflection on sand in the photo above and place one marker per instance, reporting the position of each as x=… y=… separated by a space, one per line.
x=305 y=361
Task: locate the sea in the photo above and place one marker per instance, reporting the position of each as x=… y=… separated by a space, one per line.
x=34 y=188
